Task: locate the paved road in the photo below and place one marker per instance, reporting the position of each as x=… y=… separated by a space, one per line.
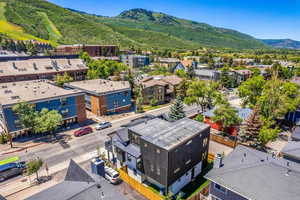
x=54 y=154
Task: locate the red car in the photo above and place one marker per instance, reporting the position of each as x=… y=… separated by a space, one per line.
x=83 y=131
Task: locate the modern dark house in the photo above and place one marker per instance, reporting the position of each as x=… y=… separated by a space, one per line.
x=42 y=94
x=166 y=154
x=248 y=174
x=79 y=184
x=104 y=96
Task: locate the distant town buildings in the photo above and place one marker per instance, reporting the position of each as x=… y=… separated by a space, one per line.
x=166 y=154
x=104 y=96
x=42 y=94
x=185 y=64
x=160 y=88
x=135 y=60
x=41 y=68
x=92 y=50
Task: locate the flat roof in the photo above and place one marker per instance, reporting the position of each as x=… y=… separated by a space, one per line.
x=100 y=86
x=30 y=91
x=257 y=175
x=168 y=134
x=40 y=66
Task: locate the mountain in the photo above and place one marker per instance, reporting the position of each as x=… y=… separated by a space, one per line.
x=282 y=43
x=44 y=21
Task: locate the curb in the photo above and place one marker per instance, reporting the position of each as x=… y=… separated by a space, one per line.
x=21 y=149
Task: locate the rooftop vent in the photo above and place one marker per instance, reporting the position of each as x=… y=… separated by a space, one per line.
x=34 y=66
x=14 y=65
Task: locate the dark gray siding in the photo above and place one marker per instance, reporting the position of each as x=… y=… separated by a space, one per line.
x=227 y=195
x=185 y=156
x=155 y=164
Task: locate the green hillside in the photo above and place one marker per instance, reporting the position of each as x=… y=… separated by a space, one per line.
x=41 y=20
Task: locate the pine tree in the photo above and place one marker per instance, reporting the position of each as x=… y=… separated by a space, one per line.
x=176 y=110
x=253 y=125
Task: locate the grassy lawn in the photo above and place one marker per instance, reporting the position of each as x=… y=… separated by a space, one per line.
x=197 y=185
x=149 y=107
x=9 y=160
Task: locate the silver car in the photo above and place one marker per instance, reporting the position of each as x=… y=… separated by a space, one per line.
x=112 y=175
x=103 y=125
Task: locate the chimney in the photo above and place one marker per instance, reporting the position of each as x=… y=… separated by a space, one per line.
x=218 y=163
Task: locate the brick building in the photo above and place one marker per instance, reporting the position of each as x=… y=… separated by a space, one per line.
x=41 y=68
x=42 y=94
x=92 y=50
x=104 y=96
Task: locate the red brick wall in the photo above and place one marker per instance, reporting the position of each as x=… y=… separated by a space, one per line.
x=81 y=113
x=218 y=126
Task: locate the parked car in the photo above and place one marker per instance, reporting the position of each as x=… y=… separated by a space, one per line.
x=83 y=131
x=10 y=170
x=103 y=125
x=112 y=175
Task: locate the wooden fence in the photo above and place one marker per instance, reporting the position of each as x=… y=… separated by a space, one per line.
x=145 y=191
x=201 y=195
x=223 y=140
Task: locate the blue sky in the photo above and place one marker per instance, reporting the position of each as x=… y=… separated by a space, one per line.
x=260 y=18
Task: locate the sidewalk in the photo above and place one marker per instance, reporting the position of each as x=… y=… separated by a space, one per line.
x=22 y=183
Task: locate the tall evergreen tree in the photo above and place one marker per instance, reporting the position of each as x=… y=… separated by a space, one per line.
x=176 y=110
x=253 y=125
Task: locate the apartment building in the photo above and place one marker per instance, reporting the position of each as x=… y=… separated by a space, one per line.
x=42 y=94
x=41 y=68
x=92 y=50
x=135 y=60
x=104 y=97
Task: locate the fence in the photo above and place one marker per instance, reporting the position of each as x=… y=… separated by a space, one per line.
x=145 y=191
x=223 y=140
x=210 y=157
x=202 y=195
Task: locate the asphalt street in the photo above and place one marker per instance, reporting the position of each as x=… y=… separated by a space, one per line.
x=56 y=153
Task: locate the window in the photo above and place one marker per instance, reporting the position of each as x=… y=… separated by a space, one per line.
x=205 y=140
x=128 y=158
x=145 y=145
x=158 y=171
x=157 y=151
x=220 y=188
x=152 y=167
x=176 y=170
x=63 y=101
x=204 y=155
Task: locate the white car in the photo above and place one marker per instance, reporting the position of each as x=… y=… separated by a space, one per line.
x=103 y=125
x=112 y=175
